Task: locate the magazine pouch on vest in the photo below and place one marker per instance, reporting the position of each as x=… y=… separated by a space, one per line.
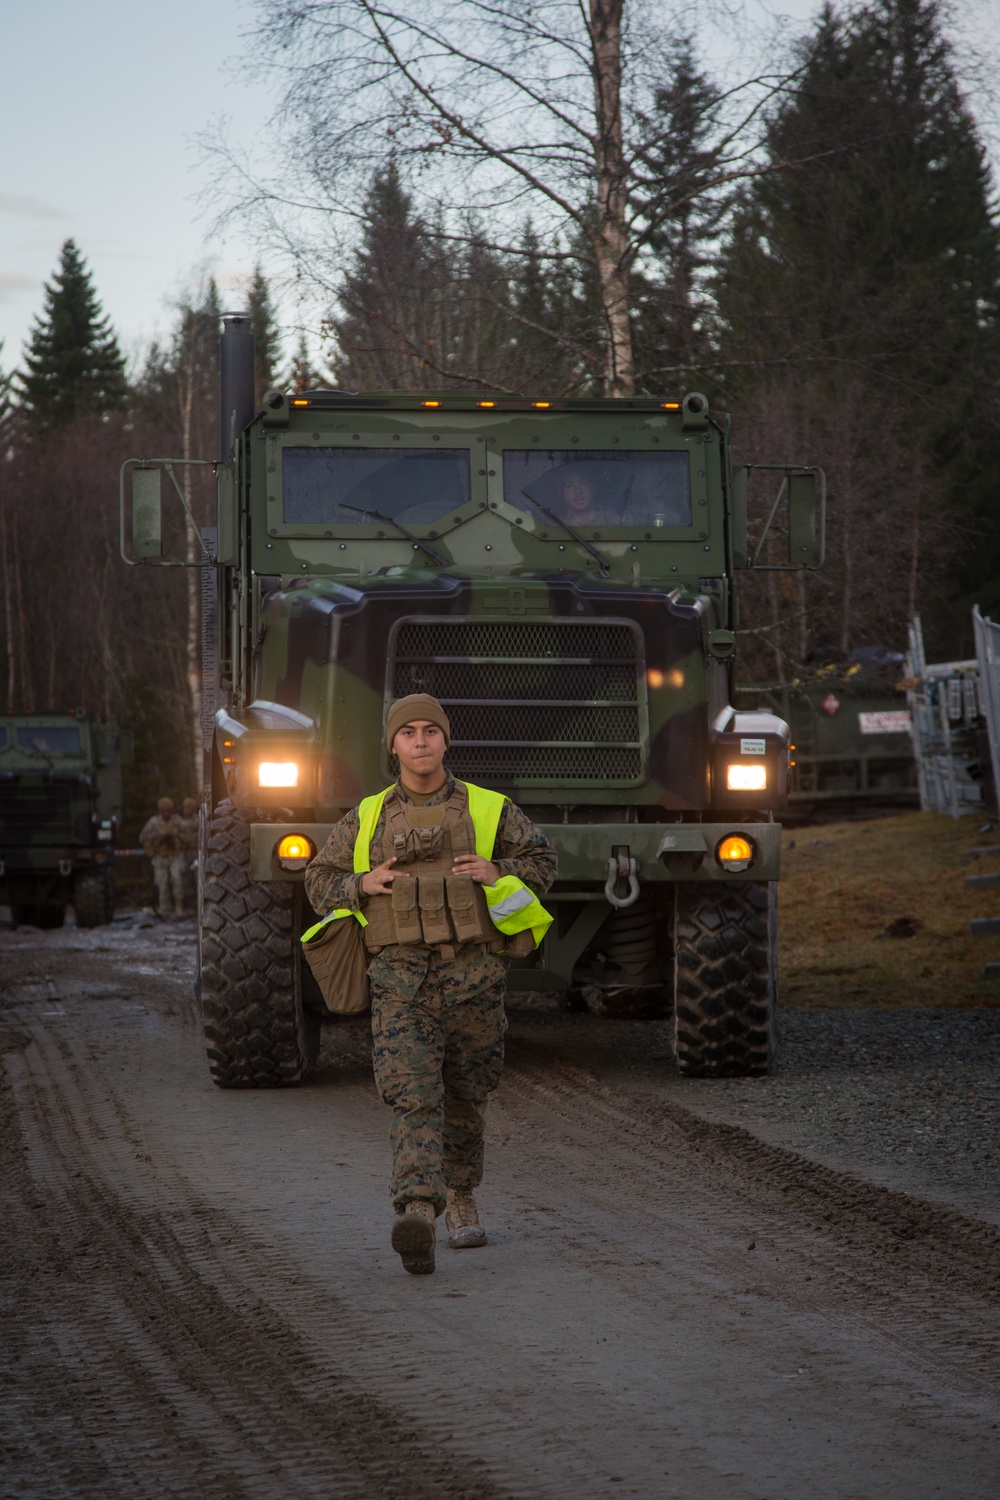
x=461 y=893
x=431 y=905
x=405 y=911
x=433 y=912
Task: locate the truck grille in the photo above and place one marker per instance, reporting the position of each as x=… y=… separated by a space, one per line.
x=35 y=814
x=532 y=702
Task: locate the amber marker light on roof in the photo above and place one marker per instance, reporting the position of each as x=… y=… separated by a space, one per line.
x=430 y=403
x=542 y=405
x=487 y=403
x=300 y=403
x=671 y=406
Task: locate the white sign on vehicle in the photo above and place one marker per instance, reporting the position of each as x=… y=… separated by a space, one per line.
x=893 y=721
x=753 y=747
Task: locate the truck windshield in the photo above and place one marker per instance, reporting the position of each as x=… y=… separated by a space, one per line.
x=44 y=739
x=598 y=488
x=414 y=485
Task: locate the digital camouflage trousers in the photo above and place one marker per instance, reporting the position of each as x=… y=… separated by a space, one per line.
x=437 y=1060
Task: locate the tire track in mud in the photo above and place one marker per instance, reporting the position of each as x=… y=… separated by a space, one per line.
x=924 y=1278
x=160 y=1371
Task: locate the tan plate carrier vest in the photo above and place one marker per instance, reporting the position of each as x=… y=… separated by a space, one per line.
x=432 y=906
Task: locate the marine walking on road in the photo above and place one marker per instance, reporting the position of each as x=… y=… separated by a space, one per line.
x=445 y=878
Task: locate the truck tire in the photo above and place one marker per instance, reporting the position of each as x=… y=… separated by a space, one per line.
x=259 y=1033
x=725 y=978
x=94 y=898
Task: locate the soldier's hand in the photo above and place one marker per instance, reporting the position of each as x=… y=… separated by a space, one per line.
x=481 y=870
x=378 y=882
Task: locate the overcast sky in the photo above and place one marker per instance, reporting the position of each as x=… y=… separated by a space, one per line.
x=99 y=106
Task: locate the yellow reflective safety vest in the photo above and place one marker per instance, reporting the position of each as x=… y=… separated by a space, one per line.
x=512 y=907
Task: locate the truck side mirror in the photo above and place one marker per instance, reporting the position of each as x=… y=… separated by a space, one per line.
x=806 y=518
x=147 y=512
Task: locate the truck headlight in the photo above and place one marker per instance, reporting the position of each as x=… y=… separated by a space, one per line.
x=277 y=773
x=741 y=777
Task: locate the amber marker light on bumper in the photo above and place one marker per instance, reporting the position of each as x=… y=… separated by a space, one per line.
x=743 y=777
x=734 y=853
x=277 y=773
x=294 y=851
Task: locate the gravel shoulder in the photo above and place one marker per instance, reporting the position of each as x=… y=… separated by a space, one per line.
x=907 y=1098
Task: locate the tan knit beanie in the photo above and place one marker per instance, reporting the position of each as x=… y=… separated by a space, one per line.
x=415 y=706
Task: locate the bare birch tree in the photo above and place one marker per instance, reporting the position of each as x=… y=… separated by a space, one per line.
x=494 y=108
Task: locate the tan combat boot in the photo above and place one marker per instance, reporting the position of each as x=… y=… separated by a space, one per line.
x=462 y=1218
x=413 y=1236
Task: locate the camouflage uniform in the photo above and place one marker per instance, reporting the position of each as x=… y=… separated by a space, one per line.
x=163 y=840
x=437 y=1024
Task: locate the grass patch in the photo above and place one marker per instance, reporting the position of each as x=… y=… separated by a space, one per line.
x=846 y=888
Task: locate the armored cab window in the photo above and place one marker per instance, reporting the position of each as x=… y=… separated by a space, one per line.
x=41 y=739
x=418 y=486
x=598 y=488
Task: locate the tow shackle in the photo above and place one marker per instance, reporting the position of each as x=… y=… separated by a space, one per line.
x=622 y=866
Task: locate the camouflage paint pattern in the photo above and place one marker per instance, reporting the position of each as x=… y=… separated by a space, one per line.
x=60 y=802
x=438 y=1055
x=312 y=618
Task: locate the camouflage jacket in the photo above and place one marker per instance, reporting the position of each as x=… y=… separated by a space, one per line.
x=163 y=837
x=189 y=831
x=521 y=849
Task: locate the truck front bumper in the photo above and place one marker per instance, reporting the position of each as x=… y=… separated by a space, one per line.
x=589 y=853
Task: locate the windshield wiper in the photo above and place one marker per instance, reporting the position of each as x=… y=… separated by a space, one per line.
x=442 y=562
x=605 y=565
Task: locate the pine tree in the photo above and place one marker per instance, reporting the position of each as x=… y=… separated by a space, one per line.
x=677 y=195
x=303 y=375
x=860 y=297
x=266 y=335
x=72 y=364
x=392 y=300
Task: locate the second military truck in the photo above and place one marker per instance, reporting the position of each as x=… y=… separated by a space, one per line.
x=561 y=574
x=60 y=809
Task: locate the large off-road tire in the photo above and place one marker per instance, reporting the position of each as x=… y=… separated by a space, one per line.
x=258 y=1031
x=725 y=978
x=94 y=898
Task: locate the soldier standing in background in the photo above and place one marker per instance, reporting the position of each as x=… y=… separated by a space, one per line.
x=163 y=840
x=438 y=911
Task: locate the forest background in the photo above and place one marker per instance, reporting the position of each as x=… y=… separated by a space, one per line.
x=816 y=247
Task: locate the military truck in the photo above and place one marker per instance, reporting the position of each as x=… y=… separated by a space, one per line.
x=60 y=808
x=852 y=746
x=373 y=545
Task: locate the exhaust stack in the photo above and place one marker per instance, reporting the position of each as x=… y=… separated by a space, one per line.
x=236 y=370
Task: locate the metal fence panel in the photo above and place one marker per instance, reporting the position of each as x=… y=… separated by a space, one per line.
x=946 y=711
x=988 y=657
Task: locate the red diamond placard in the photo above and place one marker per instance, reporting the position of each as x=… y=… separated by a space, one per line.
x=831 y=703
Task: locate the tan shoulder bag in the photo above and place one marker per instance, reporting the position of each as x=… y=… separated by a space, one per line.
x=338 y=958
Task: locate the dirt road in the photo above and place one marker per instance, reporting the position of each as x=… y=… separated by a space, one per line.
x=199 y=1299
